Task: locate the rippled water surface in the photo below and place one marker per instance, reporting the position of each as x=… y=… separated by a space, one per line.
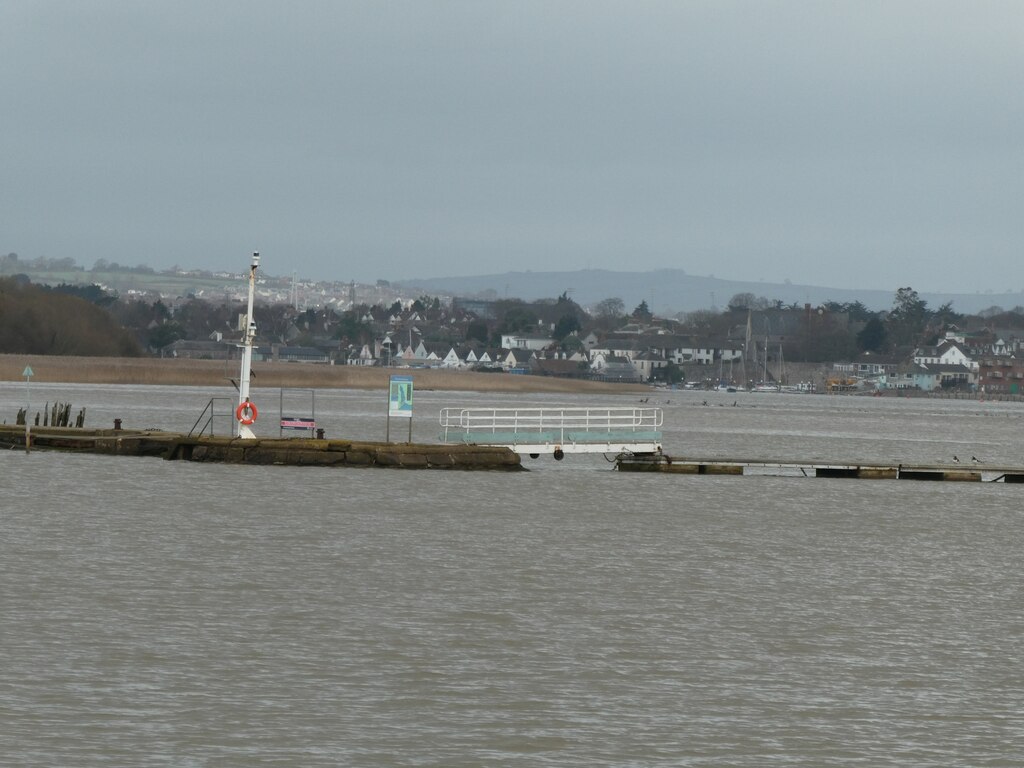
x=174 y=614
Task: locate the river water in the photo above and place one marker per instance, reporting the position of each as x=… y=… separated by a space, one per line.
x=174 y=614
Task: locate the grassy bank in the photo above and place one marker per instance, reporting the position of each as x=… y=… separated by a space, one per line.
x=126 y=370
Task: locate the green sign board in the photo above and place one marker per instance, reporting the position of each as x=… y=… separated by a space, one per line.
x=400 y=397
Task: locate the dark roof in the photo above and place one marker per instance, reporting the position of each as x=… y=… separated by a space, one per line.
x=305 y=352
x=556 y=367
x=937 y=368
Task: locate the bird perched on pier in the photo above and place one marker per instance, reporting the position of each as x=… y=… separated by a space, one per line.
x=975 y=459
x=956 y=459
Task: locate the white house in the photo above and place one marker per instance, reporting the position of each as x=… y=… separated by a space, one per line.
x=452 y=359
x=516 y=358
x=647 y=363
x=517 y=341
x=364 y=357
x=947 y=353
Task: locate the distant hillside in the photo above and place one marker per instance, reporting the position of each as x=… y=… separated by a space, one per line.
x=668 y=291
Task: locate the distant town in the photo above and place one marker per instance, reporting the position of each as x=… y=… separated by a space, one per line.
x=754 y=343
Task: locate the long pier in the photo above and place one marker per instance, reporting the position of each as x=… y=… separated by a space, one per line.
x=861 y=470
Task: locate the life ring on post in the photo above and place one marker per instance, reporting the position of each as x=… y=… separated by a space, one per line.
x=246 y=413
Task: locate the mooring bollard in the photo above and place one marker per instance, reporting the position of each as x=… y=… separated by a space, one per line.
x=117 y=425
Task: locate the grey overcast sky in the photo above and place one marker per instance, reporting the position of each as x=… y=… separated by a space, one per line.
x=868 y=143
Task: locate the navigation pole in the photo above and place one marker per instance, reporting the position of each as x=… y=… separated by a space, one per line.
x=246 y=411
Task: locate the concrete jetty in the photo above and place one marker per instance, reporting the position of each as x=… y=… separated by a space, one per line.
x=175 y=446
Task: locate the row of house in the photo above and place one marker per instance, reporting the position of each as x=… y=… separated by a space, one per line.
x=990 y=363
x=515 y=358
x=620 y=356
x=625 y=356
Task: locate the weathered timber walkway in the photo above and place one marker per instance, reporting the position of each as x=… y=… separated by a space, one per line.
x=865 y=471
x=281 y=451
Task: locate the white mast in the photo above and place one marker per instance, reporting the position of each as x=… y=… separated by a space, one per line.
x=746 y=350
x=246 y=412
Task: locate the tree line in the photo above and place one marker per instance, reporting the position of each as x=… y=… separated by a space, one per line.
x=37 y=320
x=86 y=320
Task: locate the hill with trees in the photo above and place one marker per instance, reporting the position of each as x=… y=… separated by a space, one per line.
x=36 y=320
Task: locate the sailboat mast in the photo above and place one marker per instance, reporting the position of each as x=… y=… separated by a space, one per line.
x=746 y=351
x=764 y=377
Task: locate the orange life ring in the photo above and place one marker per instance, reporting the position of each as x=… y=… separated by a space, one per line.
x=247 y=406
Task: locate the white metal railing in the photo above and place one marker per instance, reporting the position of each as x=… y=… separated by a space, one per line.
x=560 y=425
